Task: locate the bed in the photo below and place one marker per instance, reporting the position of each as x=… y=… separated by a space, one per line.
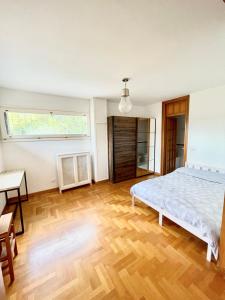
x=192 y=197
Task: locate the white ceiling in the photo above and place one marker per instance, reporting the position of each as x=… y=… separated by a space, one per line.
x=83 y=48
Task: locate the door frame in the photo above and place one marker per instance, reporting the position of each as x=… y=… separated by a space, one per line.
x=184 y=112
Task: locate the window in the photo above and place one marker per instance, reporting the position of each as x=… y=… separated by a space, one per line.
x=20 y=124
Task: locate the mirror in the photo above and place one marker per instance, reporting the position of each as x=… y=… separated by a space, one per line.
x=146 y=129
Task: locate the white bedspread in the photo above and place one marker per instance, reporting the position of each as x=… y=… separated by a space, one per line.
x=191 y=195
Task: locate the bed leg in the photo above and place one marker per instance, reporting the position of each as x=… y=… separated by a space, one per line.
x=133 y=201
x=160 y=219
x=209 y=253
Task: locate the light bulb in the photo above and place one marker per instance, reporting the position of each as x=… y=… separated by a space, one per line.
x=125 y=105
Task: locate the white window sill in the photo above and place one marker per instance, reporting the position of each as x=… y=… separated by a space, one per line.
x=46 y=139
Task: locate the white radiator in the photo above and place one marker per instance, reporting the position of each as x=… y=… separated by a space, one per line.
x=74 y=169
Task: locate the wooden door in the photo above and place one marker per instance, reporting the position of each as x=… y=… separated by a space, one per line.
x=170 y=109
x=171 y=128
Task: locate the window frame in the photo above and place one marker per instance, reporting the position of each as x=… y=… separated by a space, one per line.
x=7 y=137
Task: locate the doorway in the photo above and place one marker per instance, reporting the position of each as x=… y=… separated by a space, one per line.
x=180 y=141
x=175 y=143
x=174 y=134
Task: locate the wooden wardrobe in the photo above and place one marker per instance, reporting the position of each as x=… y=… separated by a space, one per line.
x=122 y=138
x=124 y=141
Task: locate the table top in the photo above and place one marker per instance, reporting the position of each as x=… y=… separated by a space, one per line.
x=11 y=180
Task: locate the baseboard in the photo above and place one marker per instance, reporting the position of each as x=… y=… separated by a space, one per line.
x=100 y=181
x=14 y=200
x=23 y=198
x=45 y=191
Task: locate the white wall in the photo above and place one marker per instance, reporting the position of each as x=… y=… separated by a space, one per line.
x=1 y=158
x=2 y=198
x=98 y=109
x=39 y=157
x=206 y=133
x=206 y=140
x=207 y=127
x=16 y=98
x=155 y=111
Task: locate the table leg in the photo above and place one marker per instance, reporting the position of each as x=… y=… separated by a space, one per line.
x=21 y=213
x=25 y=179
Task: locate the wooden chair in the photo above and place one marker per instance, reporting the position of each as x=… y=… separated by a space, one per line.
x=8 y=246
x=2 y=286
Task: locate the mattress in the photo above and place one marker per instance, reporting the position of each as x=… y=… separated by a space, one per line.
x=193 y=196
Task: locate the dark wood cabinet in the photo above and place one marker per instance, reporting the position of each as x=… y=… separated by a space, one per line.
x=131 y=147
x=122 y=138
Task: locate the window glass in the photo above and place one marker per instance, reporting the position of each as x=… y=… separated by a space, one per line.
x=22 y=124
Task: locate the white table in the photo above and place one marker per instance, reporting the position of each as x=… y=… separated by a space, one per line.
x=11 y=181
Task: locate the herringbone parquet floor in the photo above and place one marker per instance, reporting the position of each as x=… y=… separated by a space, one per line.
x=89 y=243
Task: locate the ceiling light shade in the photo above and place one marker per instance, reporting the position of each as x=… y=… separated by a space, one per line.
x=125 y=104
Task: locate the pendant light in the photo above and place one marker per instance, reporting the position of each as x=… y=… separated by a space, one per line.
x=125 y=104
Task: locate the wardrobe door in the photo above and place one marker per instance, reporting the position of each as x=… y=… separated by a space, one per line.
x=143 y=146
x=124 y=147
x=110 y=122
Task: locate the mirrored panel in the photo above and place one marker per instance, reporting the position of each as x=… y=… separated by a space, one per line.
x=146 y=129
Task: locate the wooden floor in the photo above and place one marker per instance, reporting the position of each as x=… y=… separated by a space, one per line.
x=89 y=243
